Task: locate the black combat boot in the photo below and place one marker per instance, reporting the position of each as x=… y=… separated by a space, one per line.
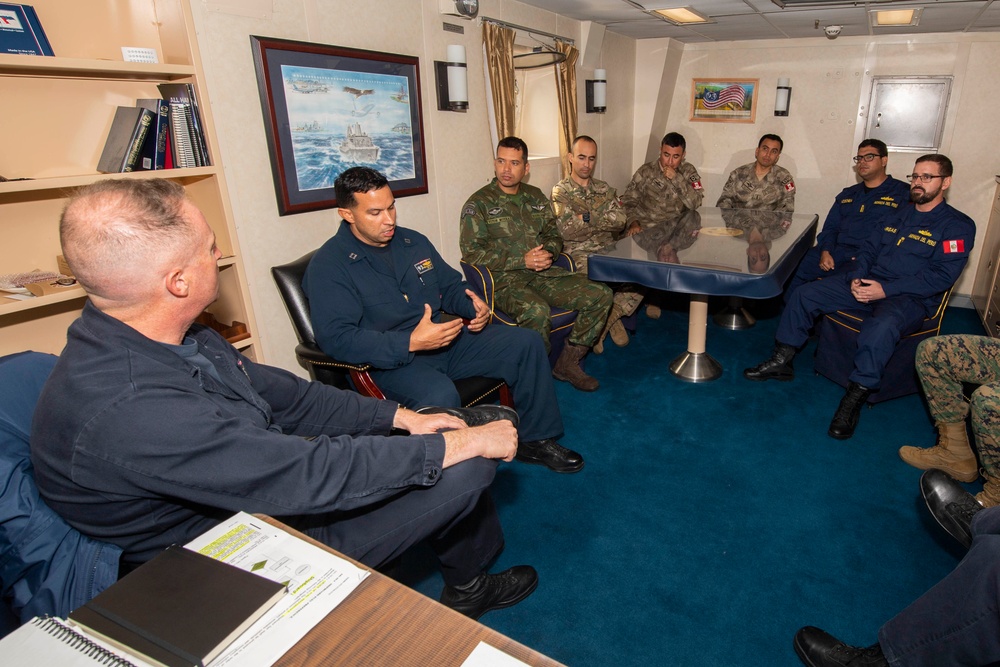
x=845 y=420
x=778 y=367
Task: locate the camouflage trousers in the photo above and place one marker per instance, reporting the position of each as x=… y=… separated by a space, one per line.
x=527 y=296
x=628 y=296
x=943 y=364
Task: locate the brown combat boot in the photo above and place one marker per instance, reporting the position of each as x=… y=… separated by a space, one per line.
x=952 y=454
x=568 y=368
x=990 y=495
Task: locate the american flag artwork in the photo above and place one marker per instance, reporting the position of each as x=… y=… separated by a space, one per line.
x=714 y=98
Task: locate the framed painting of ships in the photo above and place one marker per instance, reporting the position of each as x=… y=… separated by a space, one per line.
x=327 y=109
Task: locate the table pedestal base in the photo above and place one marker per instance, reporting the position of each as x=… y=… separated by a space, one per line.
x=734 y=316
x=696 y=365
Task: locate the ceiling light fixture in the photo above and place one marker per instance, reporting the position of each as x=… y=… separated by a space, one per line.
x=679 y=15
x=880 y=18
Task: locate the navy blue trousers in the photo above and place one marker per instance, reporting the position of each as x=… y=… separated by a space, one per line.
x=456 y=517
x=956 y=622
x=887 y=320
x=809 y=270
x=513 y=354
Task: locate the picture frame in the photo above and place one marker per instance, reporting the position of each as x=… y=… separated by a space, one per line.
x=724 y=100
x=328 y=108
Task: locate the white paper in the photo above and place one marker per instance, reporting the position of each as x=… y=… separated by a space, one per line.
x=317 y=582
x=485 y=655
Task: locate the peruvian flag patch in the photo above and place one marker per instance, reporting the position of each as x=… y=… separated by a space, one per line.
x=790 y=186
x=696 y=185
x=953 y=246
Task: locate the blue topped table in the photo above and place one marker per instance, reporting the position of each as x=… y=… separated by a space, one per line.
x=709 y=252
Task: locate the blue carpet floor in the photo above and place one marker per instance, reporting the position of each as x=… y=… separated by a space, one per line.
x=712 y=520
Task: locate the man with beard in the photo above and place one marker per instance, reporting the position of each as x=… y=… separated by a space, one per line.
x=898 y=279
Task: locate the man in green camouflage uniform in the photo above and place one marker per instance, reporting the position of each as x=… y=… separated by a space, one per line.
x=943 y=364
x=762 y=183
x=508 y=226
x=590 y=216
x=662 y=190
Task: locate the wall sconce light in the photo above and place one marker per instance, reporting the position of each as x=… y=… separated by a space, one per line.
x=452 y=80
x=597 y=92
x=782 y=98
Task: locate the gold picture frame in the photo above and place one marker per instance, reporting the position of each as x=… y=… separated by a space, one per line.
x=724 y=100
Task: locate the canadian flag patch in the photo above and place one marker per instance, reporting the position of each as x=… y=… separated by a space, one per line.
x=953 y=246
x=696 y=185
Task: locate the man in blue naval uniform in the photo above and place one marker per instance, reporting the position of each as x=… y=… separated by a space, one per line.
x=377 y=302
x=898 y=277
x=855 y=214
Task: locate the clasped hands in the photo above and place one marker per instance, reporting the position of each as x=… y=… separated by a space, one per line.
x=431 y=335
x=537 y=259
x=866 y=291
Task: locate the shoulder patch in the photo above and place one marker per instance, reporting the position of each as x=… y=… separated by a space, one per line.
x=469 y=210
x=790 y=186
x=955 y=246
x=696 y=184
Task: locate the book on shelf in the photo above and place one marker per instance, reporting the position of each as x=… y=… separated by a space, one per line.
x=182 y=97
x=154 y=148
x=21 y=31
x=179 y=609
x=124 y=143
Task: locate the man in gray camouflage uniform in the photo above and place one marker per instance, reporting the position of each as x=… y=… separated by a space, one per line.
x=590 y=216
x=943 y=364
x=662 y=190
x=762 y=183
x=508 y=226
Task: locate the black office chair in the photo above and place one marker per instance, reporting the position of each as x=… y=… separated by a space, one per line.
x=325 y=369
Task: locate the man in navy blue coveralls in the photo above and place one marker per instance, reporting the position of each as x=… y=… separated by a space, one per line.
x=856 y=212
x=376 y=302
x=898 y=279
x=953 y=623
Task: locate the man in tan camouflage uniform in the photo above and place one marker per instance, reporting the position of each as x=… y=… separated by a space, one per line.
x=508 y=226
x=662 y=190
x=762 y=183
x=590 y=216
x=943 y=364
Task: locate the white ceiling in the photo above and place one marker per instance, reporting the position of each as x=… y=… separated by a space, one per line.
x=763 y=19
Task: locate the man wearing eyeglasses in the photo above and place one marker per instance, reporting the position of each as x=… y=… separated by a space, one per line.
x=899 y=277
x=856 y=212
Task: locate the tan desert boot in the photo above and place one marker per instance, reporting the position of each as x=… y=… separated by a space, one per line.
x=952 y=454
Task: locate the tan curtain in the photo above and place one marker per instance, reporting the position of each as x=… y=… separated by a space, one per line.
x=498 y=47
x=566 y=90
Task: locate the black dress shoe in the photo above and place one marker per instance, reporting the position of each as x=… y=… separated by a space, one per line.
x=491 y=591
x=550 y=454
x=845 y=419
x=820 y=649
x=477 y=415
x=950 y=504
x=777 y=367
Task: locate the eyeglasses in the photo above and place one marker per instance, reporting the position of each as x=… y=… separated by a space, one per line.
x=865 y=158
x=923 y=178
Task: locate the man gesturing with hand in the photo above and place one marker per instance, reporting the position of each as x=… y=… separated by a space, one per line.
x=395 y=304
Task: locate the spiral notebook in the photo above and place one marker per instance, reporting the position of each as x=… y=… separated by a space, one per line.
x=53 y=641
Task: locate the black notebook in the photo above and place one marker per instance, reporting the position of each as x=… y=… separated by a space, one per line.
x=179 y=609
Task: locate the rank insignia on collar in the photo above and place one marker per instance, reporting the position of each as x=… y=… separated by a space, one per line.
x=353 y=255
x=958 y=245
